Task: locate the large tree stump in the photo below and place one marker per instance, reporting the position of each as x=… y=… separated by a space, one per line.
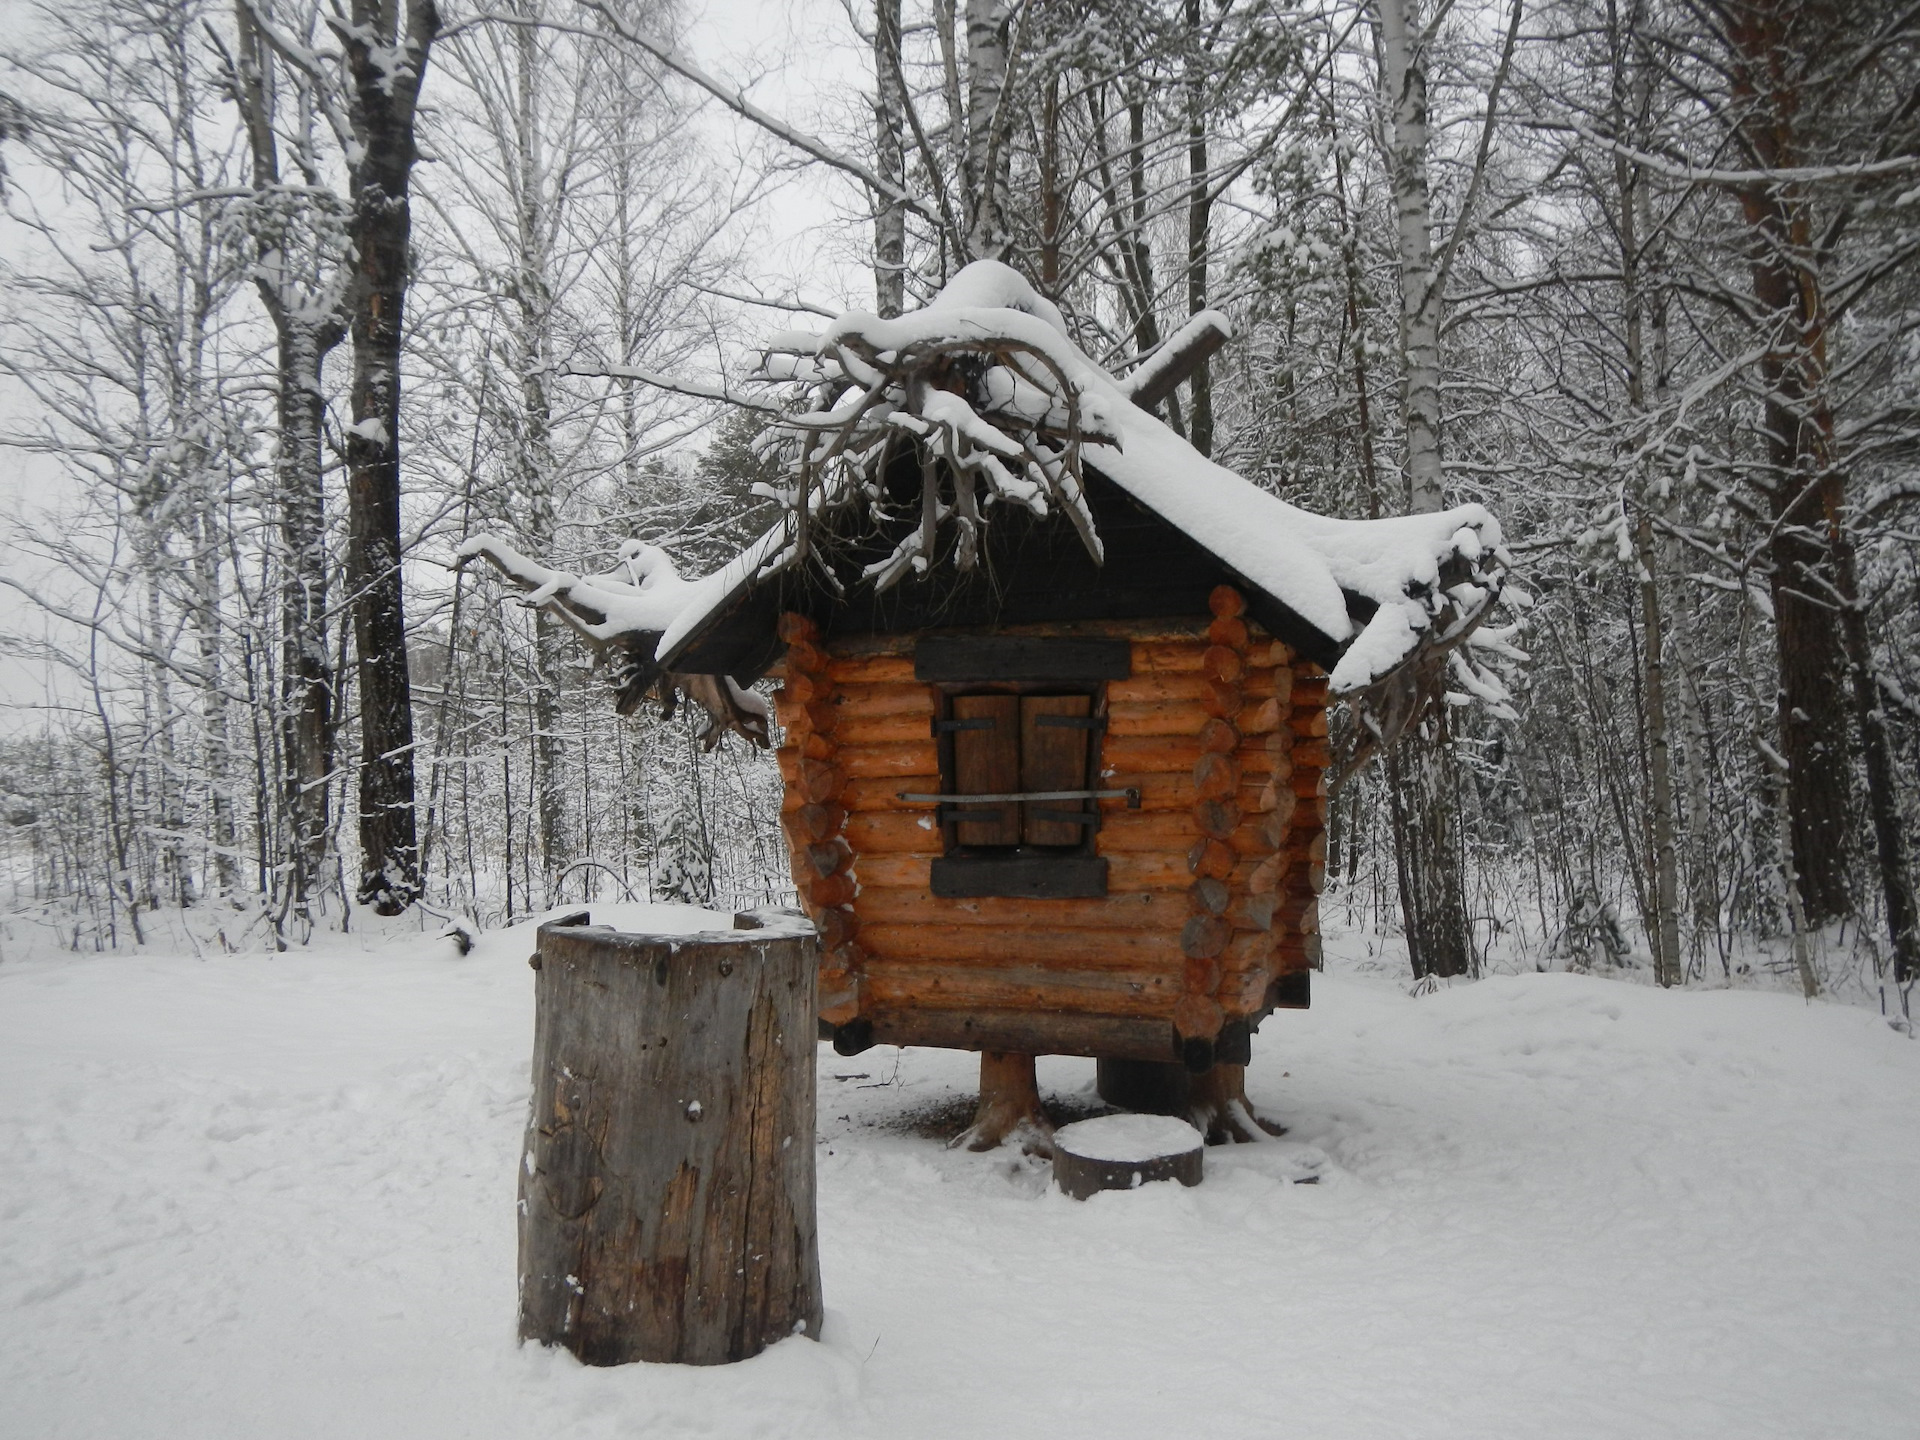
x=667 y=1193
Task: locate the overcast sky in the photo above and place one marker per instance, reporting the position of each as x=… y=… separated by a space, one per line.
x=800 y=59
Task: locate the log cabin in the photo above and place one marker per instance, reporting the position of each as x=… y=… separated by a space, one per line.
x=1052 y=696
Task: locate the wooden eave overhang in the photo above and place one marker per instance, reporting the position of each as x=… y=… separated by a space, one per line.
x=1030 y=571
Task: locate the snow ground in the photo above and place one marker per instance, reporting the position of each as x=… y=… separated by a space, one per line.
x=258 y=1197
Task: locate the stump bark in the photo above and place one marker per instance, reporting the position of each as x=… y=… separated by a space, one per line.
x=667 y=1190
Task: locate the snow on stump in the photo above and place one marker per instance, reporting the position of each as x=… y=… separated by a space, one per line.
x=1120 y=1152
x=667 y=1192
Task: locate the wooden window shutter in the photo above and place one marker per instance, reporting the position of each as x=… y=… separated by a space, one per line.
x=986 y=761
x=1054 y=730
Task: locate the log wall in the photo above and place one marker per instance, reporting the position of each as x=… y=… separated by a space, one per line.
x=1212 y=882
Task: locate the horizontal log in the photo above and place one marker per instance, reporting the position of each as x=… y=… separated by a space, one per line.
x=1224 y=699
x=1196 y=1017
x=823 y=892
x=901 y=984
x=1219 y=737
x=1026 y=1032
x=1248 y=950
x=1161 y=657
x=1308 y=720
x=792 y=626
x=1225 y=601
x=836 y=925
x=1223 y=664
x=1263 y=719
x=1216 y=777
x=828 y=857
x=1186 y=687
x=1243 y=994
x=1207 y=896
x=1054 y=947
x=1135 y=719
x=886 y=831
x=1200 y=974
x=820 y=781
x=870 y=669
x=1311 y=752
x=1211 y=859
x=917 y=757
x=820 y=822
x=1162 y=911
x=1310 y=690
x=1216 y=818
x=882 y=792
x=1293 y=954
x=858 y=731
x=1204 y=936
x=805 y=657
x=1253 y=912
x=805 y=687
x=864 y=702
x=1124 y=757
x=1230 y=631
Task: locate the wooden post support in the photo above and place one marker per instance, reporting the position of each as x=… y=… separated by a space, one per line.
x=667 y=1191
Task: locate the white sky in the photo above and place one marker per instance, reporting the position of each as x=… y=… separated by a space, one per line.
x=799 y=59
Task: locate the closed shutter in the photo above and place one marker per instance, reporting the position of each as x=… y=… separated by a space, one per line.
x=986 y=761
x=1054 y=731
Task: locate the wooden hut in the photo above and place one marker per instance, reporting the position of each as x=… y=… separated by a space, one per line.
x=1053 y=696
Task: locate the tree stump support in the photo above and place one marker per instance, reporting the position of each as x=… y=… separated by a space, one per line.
x=1215 y=1102
x=667 y=1190
x=1009 y=1107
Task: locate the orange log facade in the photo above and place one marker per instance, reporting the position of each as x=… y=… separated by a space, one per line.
x=1211 y=881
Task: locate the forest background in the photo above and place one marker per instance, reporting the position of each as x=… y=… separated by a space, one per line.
x=1637 y=274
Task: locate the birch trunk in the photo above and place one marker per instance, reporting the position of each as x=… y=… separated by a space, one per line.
x=987 y=150
x=1404 y=62
x=1432 y=880
x=889 y=111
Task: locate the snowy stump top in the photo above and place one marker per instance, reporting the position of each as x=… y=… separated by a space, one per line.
x=1121 y=1152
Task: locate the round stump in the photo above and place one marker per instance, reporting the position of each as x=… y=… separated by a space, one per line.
x=667 y=1191
x=1122 y=1152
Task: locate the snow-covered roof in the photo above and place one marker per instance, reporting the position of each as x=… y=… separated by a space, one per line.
x=1305 y=561
x=1007 y=434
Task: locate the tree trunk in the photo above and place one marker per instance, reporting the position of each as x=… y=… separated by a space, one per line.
x=386 y=69
x=667 y=1195
x=306 y=678
x=1215 y=1102
x=1883 y=794
x=1433 y=890
x=307 y=324
x=1404 y=61
x=889 y=111
x=1009 y=1106
x=1199 y=224
x=987 y=148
